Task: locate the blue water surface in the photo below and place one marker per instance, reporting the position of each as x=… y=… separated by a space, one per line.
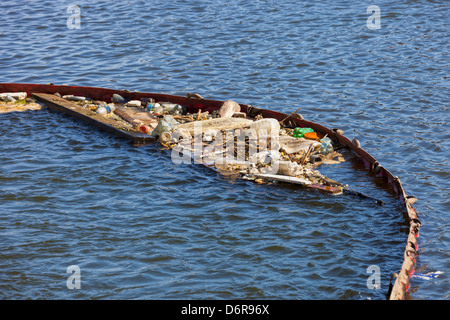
x=140 y=227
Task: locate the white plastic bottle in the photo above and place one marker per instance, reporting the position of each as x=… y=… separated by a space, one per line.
x=105 y=108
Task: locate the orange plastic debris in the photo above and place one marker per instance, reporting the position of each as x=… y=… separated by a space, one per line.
x=311 y=135
x=144 y=129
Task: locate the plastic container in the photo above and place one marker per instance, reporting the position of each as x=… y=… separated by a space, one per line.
x=74 y=98
x=156 y=109
x=133 y=103
x=105 y=108
x=117 y=98
x=326 y=147
x=228 y=108
x=144 y=129
x=172 y=108
x=166 y=124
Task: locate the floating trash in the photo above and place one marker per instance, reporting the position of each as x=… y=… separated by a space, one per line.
x=144 y=129
x=300 y=132
x=266 y=148
x=105 y=109
x=117 y=98
x=17 y=102
x=12 y=96
x=266 y=127
x=74 y=98
x=172 y=108
x=133 y=103
x=228 y=108
x=427 y=276
x=311 y=135
x=326 y=147
x=168 y=123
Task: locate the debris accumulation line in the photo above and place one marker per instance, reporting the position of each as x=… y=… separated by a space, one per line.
x=259 y=149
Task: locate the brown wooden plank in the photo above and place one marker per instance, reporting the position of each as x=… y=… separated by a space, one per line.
x=109 y=125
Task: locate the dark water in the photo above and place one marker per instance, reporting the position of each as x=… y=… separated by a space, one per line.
x=140 y=227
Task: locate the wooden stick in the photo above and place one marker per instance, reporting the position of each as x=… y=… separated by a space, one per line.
x=362 y=195
x=307 y=154
x=289 y=115
x=347 y=190
x=185 y=118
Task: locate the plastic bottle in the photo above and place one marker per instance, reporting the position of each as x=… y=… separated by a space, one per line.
x=300 y=132
x=71 y=97
x=105 y=108
x=7 y=98
x=172 y=108
x=117 y=98
x=165 y=137
x=326 y=147
x=13 y=96
x=144 y=129
x=133 y=103
x=156 y=109
x=168 y=123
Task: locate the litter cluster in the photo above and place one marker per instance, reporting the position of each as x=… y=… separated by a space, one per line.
x=260 y=149
x=17 y=102
x=254 y=148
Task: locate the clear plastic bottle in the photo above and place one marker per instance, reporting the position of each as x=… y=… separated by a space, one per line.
x=117 y=98
x=166 y=124
x=105 y=108
x=326 y=147
x=172 y=108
